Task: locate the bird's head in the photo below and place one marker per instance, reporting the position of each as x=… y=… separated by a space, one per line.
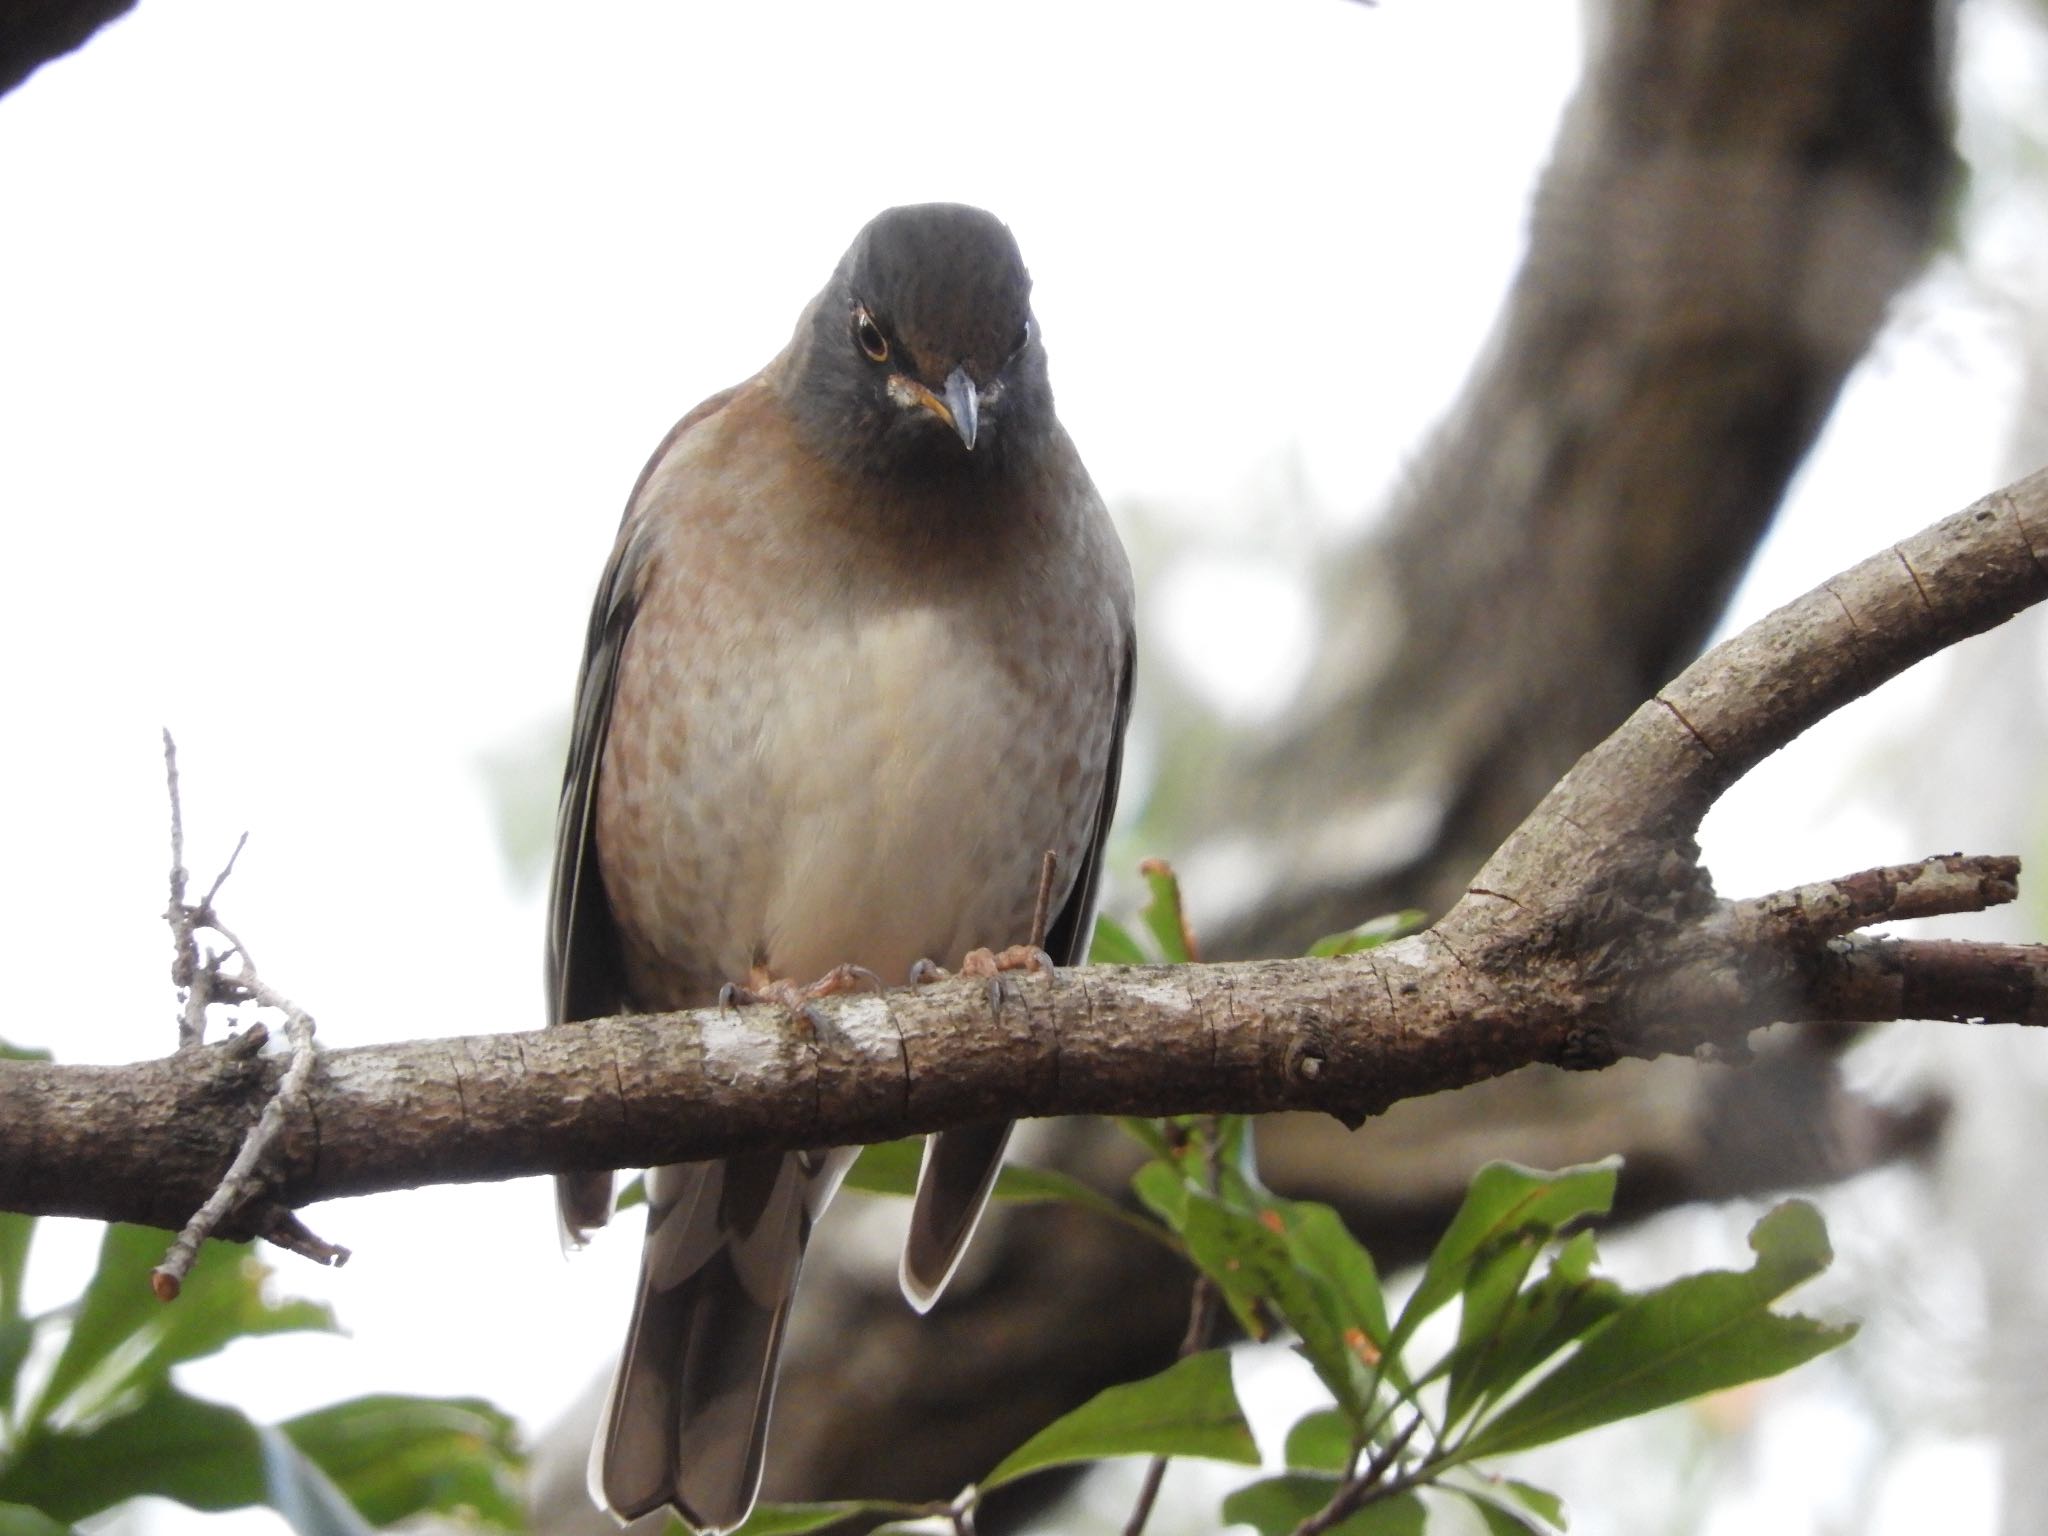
x=921 y=354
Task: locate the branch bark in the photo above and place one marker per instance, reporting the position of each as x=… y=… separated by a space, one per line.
x=1591 y=936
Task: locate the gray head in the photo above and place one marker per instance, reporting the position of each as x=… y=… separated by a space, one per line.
x=921 y=356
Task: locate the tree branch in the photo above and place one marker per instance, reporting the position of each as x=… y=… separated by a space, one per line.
x=1592 y=935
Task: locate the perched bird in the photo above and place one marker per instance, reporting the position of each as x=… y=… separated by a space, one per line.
x=861 y=658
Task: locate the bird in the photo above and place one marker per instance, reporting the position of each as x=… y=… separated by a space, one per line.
x=857 y=675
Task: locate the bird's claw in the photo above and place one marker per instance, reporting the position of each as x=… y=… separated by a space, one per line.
x=842 y=979
x=796 y=998
x=988 y=964
x=1018 y=957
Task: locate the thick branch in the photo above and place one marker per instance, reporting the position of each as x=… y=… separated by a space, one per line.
x=1592 y=935
x=1637 y=797
x=1347 y=1036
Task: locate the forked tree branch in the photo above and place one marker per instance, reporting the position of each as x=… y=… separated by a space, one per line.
x=1593 y=934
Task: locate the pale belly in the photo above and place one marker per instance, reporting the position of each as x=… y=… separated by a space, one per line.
x=873 y=792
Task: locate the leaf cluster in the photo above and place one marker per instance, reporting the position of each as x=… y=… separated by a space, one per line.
x=1543 y=1347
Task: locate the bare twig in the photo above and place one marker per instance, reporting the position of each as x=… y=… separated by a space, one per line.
x=221 y=879
x=198 y=979
x=188 y=975
x=244 y=1181
x=1041 y=909
x=204 y=982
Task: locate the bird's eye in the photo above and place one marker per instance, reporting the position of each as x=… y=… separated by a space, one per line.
x=869 y=336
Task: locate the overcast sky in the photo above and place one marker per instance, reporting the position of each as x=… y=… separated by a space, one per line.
x=336 y=336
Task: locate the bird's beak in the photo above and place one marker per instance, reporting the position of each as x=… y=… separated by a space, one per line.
x=963 y=405
x=959 y=407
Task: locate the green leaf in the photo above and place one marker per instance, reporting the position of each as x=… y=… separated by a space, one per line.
x=1322 y=1244
x=1564 y=1304
x=1503 y=1519
x=1164 y=1192
x=1504 y=1198
x=1544 y=1504
x=297 y=1490
x=1147 y=1133
x=1113 y=944
x=1505 y=1506
x=891 y=1168
x=223 y=1299
x=1254 y=1268
x=1018 y=1184
x=1188 y=1409
x=1370 y=934
x=394 y=1456
x=17 y=1331
x=17 y=1336
x=20 y=1520
x=1274 y=1506
x=887 y=1167
x=1237 y=1179
x=202 y=1454
x=1701 y=1333
x=1319 y=1442
x=792 y=1519
x=635 y=1193
x=123 y=1340
x=16 y=1232
x=1492 y=1287
x=1162 y=915
x=117 y=1304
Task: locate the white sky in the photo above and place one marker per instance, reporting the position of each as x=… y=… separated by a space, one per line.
x=336 y=336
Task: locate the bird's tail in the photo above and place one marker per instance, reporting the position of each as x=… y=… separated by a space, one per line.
x=687 y=1419
x=583 y=1203
x=953 y=1186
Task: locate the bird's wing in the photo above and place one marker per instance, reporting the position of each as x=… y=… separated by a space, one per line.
x=1072 y=930
x=586 y=974
x=960 y=1166
x=687 y=1420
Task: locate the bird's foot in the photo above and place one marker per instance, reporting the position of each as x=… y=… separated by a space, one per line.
x=989 y=965
x=1018 y=957
x=795 y=996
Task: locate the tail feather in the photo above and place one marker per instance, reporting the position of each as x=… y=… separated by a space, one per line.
x=953 y=1187
x=687 y=1420
x=583 y=1203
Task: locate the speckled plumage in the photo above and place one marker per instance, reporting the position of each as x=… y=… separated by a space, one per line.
x=848 y=680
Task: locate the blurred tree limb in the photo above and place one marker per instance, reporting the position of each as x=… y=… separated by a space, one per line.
x=1733 y=201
